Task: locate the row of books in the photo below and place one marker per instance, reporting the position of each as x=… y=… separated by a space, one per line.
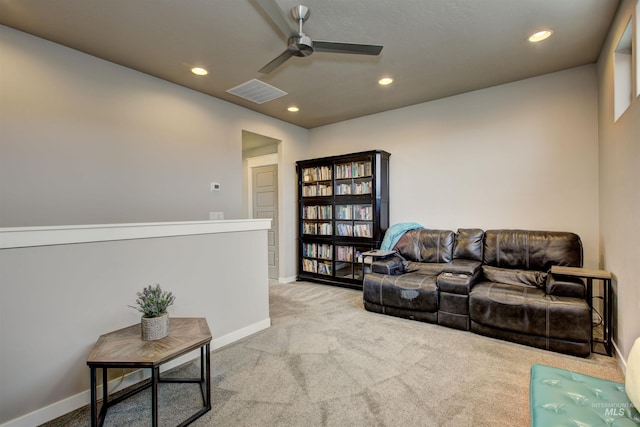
x=313 y=266
x=344 y=253
x=357 y=230
x=357 y=212
x=356 y=188
x=317 y=190
x=321 y=173
x=321 y=228
x=342 y=189
x=316 y=212
x=316 y=250
x=353 y=170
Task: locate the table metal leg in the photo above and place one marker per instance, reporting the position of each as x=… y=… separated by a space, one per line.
x=208 y=376
x=608 y=327
x=94 y=399
x=155 y=376
x=590 y=302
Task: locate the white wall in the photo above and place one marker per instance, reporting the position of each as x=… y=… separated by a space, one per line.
x=85 y=141
x=520 y=155
x=620 y=190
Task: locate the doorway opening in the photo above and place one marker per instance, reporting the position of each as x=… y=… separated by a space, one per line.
x=260 y=187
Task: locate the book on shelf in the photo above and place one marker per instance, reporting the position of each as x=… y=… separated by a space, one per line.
x=344 y=253
x=344 y=229
x=309 y=228
x=325 y=229
x=310 y=212
x=325 y=268
x=362 y=230
x=343 y=211
x=361 y=169
x=317 y=250
x=310 y=265
x=363 y=212
x=343 y=171
x=314 y=190
x=316 y=212
x=343 y=189
x=363 y=187
x=321 y=173
x=324 y=212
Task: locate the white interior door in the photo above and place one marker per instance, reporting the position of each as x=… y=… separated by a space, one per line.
x=265 y=205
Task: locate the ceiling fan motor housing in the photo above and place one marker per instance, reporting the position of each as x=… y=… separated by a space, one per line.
x=300 y=46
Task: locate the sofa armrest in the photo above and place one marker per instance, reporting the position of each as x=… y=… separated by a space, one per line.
x=565 y=286
x=392 y=265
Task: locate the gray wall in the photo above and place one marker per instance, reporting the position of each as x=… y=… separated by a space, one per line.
x=85 y=141
x=520 y=155
x=620 y=189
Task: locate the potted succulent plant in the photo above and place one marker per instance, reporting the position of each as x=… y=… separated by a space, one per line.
x=153 y=303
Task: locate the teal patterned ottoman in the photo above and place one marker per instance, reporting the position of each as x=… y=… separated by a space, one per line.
x=558 y=397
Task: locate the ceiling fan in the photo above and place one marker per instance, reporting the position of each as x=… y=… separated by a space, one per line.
x=299 y=43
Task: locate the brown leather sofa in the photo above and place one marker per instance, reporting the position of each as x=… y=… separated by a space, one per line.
x=495 y=283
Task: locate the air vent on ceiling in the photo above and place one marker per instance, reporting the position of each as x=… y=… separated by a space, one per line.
x=257 y=91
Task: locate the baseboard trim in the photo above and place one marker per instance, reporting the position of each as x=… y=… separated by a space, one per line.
x=289 y=279
x=62 y=407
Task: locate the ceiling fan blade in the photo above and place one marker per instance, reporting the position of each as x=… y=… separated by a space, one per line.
x=271 y=8
x=276 y=62
x=339 y=47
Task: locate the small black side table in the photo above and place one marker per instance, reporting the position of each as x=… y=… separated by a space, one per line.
x=590 y=275
x=125 y=348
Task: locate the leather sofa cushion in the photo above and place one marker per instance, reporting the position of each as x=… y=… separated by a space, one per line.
x=531 y=250
x=562 y=286
x=528 y=310
x=391 y=265
x=512 y=276
x=457 y=266
x=454 y=283
x=469 y=244
x=424 y=245
x=410 y=291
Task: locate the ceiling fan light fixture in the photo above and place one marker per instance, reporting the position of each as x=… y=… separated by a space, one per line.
x=385 y=81
x=199 y=71
x=540 y=35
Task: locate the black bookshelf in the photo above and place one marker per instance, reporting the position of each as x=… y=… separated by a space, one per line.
x=343 y=211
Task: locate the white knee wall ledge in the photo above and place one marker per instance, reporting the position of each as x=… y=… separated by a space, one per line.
x=62 y=287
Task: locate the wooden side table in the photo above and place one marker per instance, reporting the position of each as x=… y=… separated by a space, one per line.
x=125 y=348
x=590 y=275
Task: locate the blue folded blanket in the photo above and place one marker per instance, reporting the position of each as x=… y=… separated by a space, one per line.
x=395 y=232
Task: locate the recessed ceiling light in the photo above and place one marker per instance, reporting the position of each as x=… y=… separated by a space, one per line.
x=385 y=81
x=540 y=35
x=293 y=109
x=199 y=71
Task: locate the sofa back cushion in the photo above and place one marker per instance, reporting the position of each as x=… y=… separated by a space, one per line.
x=514 y=276
x=531 y=250
x=424 y=245
x=469 y=244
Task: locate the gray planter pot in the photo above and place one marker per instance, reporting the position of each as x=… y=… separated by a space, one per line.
x=154 y=328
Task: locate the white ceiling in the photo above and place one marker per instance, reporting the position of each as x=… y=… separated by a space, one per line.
x=432 y=48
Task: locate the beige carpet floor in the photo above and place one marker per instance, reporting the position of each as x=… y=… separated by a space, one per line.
x=326 y=361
